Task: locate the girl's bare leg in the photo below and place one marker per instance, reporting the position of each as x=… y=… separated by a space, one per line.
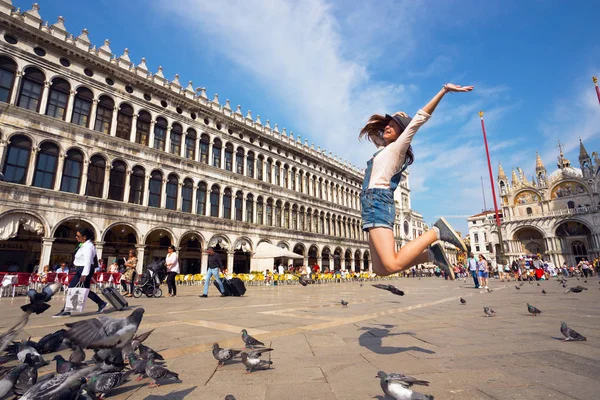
x=387 y=261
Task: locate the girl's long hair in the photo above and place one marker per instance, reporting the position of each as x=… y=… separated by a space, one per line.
x=373 y=132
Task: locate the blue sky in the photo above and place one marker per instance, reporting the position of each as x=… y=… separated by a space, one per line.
x=321 y=68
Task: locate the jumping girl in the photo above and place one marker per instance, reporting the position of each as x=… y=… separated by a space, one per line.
x=392 y=135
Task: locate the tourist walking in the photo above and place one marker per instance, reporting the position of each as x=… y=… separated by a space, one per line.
x=484 y=272
x=393 y=135
x=172 y=262
x=214 y=266
x=128 y=279
x=83 y=261
x=472 y=264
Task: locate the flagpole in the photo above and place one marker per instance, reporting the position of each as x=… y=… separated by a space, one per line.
x=500 y=256
x=595 y=80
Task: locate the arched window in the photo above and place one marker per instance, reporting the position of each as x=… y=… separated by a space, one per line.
x=95 y=180
x=269 y=212
x=239 y=200
x=293 y=178
x=124 y=121
x=286 y=216
x=71 y=176
x=215 y=194
x=269 y=171
x=250 y=165
x=277 y=174
x=217 y=145
x=278 y=213
x=104 y=113
x=82 y=106
x=172 y=183
x=201 y=199
x=7 y=78
x=176 y=133
x=58 y=98
x=285 y=176
x=155 y=189
x=239 y=161
x=160 y=133
x=204 y=144
x=259 y=168
x=45 y=168
x=571 y=205
x=136 y=185
x=32 y=85
x=17 y=158
x=529 y=211
x=295 y=217
x=116 y=181
x=229 y=157
x=227 y=203
x=142 y=128
x=250 y=208
x=259 y=211
x=190 y=144
x=186 y=195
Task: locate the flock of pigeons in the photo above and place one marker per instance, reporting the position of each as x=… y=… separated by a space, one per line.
x=112 y=340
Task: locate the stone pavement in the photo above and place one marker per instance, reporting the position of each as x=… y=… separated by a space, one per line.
x=324 y=351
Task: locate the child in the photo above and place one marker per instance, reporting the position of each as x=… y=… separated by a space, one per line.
x=44 y=274
x=392 y=135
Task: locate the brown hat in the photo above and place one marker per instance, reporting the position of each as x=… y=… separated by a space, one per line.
x=401 y=119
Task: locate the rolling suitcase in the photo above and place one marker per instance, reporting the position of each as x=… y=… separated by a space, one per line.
x=232 y=287
x=225 y=291
x=115 y=298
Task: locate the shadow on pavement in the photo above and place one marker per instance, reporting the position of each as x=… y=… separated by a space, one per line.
x=372 y=339
x=173 y=395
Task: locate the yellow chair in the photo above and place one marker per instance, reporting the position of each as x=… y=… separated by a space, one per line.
x=197 y=279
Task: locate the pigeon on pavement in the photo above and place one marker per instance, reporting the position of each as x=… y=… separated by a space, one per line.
x=137 y=365
x=344 y=303
x=61 y=386
x=249 y=341
x=146 y=352
x=253 y=362
x=517 y=287
x=570 y=334
x=223 y=355
x=156 y=372
x=105 y=332
x=489 y=312
x=38 y=300
x=521 y=284
x=230 y=397
x=10 y=379
x=25 y=349
x=101 y=384
x=463 y=301
x=576 y=289
x=27 y=378
x=538 y=284
x=543 y=291
x=533 y=310
x=77 y=356
x=51 y=342
x=389 y=288
x=398 y=386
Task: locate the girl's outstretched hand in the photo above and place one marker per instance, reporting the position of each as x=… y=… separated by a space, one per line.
x=451 y=87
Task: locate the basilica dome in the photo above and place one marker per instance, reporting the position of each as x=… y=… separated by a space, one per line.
x=566 y=172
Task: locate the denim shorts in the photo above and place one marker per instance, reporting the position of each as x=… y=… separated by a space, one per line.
x=378 y=208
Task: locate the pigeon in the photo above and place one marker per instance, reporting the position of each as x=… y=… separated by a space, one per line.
x=146 y=351
x=101 y=384
x=538 y=284
x=463 y=301
x=249 y=341
x=489 y=312
x=137 y=365
x=577 y=277
x=533 y=310
x=570 y=334
x=398 y=386
x=38 y=301
x=564 y=285
x=25 y=349
x=109 y=356
x=51 y=342
x=77 y=356
x=10 y=379
x=63 y=365
x=344 y=303
x=61 y=386
x=223 y=355
x=576 y=289
x=390 y=288
x=7 y=337
x=489 y=290
x=156 y=372
x=518 y=288
x=531 y=282
x=105 y=332
x=85 y=394
x=521 y=284
x=362 y=284
x=27 y=378
x=253 y=362
x=135 y=342
x=585 y=281
x=543 y=291
x=230 y=397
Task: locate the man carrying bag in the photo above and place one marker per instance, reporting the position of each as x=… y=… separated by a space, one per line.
x=83 y=260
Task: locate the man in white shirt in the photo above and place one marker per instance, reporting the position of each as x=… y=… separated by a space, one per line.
x=280 y=269
x=472 y=265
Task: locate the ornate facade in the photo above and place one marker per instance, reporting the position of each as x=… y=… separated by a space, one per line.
x=88 y=139
x=556 y=215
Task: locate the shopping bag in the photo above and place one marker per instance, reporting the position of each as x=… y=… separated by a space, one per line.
x=76 y=298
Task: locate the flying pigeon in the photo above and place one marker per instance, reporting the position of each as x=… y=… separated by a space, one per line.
x=77 y=356
x=38 y=300
x=156 y=372
x=463 y=301
x=223 y=355
x=135 y=342
x=253 y=362
x=10 y=379
x=517 y=287
x=105 y=332
x=51 y=342
x=398 y=386
x=249 y=341
x=489 y=312
x=101 y=384
x=533 y=310
x=146 y=351
x=60 y=386
x=344 y=303
x=543 y=291
x=7 y=337
x=389 y=288
x=576 y=289
x=570 y=334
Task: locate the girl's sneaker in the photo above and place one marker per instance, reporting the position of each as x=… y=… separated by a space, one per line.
x=438 y=257
x=449 y=235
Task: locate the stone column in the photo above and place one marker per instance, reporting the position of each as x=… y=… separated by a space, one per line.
x=113 y=122
x=179 y=196
x=254 y=206
x=133 y=128
x=222 y=155
x=93 y=111
x=45 y=255
x=183 y=137
x=84 y=177
x=69 y=110
x=3 y=145
x=141 y=250
x=15 y=89
x=99 y=248
x=230 y=260
x=44 y=99
x=197 y=148
x=151 y=134
x=194 y=199
x=127 y=187
x=106 y=182
x=59 y=171
x=168 y=140
x=220 y=214
x=210 y=153
x=163 y=194
x=305 y=260
x=31 y=167
x=204 y=262
x=243 y=208
x=208 y=202
x=146 y=191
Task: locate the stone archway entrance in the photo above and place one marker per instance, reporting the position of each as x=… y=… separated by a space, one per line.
x=313 y=256
x=190 y=254
x=348 y=260
x=575 y=238
x=118 y=240
x=366 y=259
x=20 y=242
x=326 y=259
x=531 y=241
x=65 y=242
x=242 y=254
x=157 y=243
x=299 y=249
x=357 y=261
x=337 y=259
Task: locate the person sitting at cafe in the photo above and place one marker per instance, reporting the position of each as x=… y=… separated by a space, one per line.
x=63 y=269
x=114 y=268
x=44 y=274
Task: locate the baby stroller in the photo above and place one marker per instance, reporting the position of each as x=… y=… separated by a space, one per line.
x=149 y=284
